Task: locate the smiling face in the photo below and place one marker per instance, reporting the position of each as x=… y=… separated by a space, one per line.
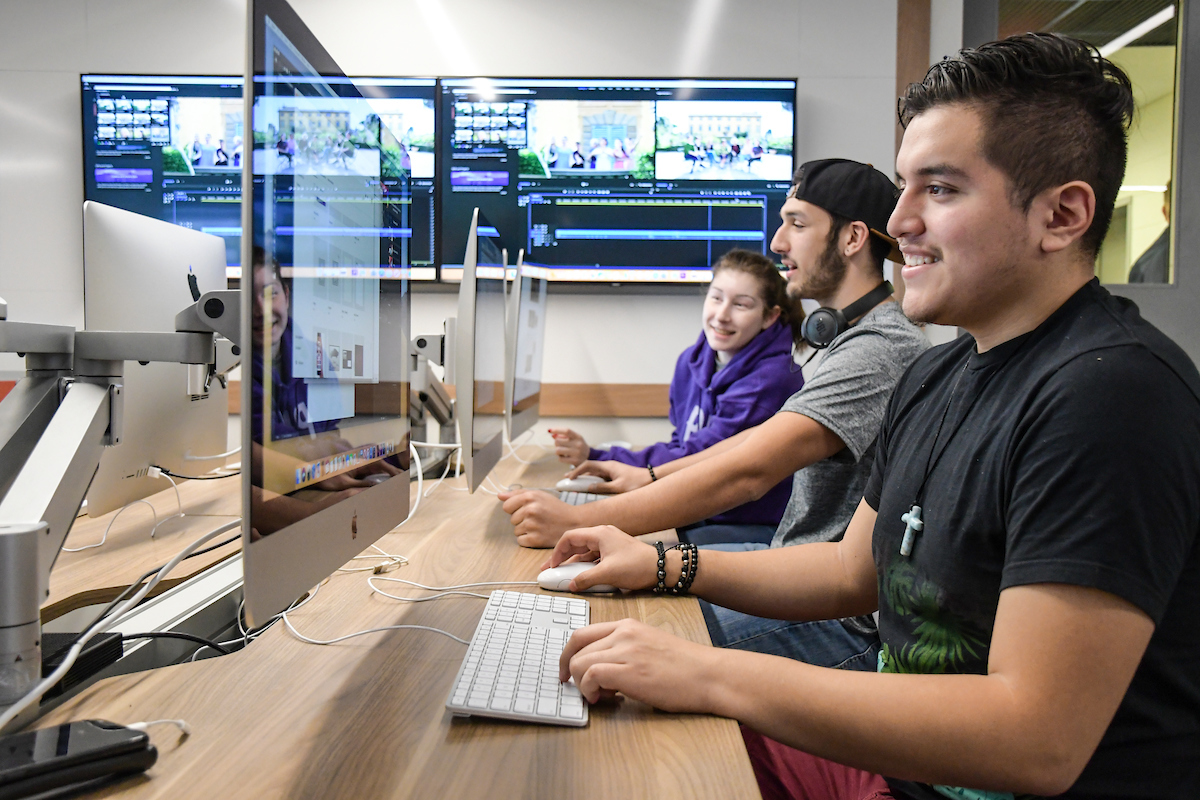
x=815 y=268
x=969 y=253
x=263 y=277
x=734 y=312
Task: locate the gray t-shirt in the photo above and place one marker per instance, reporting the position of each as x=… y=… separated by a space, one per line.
x=847 y=392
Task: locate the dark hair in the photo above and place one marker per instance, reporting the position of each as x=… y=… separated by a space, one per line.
x=772 y=286
x=1053 y=110
x=879 y=248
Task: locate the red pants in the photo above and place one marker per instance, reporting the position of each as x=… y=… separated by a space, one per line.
x=785 y=773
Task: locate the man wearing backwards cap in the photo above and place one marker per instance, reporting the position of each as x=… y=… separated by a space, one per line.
x=833 y=244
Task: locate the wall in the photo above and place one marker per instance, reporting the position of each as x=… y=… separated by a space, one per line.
x=842 y=54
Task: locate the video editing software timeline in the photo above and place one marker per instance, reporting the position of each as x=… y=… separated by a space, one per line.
x=616 y=180
x=171 y=147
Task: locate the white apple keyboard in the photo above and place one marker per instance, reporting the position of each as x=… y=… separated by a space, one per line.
x=579 y=498
x=511 y=667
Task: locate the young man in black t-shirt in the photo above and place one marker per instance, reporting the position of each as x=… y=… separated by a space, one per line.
x=1029 y=532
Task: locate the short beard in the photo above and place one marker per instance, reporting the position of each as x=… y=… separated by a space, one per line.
x=827 y=274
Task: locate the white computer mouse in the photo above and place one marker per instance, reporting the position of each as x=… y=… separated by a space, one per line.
x=558 y=579
x=376 y=478
x=580 y=484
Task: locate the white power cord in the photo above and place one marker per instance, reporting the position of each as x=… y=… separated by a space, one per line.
x=443 y=591
x=190 y=457
x=304 y=638
x=102 y=625
x=108 y=527
x=184 y=728
x=392 y=561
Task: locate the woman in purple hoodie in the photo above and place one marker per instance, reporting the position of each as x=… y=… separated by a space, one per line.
x=737 y=375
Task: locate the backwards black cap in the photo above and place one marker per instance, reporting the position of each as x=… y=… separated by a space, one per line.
x=852 y=190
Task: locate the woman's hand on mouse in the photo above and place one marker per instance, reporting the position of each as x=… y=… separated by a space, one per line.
x=618 y=478
x=569 y=446
x=623 y=561
x=642 y=663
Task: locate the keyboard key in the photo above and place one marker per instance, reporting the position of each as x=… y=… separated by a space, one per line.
x=572 y=712
x=522 y=706
x=547 y=706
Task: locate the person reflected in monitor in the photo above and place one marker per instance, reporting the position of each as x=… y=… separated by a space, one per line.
x=309 y=440
x=1154 y=265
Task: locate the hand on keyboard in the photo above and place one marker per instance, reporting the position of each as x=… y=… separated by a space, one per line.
x=538 y=518
x=511 y=669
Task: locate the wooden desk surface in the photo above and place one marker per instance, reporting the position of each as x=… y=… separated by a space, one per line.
x=366 y=718
x=99 y=574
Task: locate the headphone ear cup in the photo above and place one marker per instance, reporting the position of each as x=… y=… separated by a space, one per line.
x=822 y=326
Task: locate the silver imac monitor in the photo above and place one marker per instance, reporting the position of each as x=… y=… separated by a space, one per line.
x=526 y=343
x=325 y=313
x=479 y=352
x=135 y=275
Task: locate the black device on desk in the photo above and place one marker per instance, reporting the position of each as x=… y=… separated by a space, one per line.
x=57 y=761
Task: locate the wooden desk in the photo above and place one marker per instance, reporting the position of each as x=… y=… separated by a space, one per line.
x=99 y=574
x=366 y=718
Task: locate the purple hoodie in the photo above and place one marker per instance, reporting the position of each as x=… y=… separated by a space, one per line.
x=708 y=406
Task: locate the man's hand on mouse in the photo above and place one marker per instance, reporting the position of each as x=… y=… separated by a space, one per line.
x=569 y=446
x=618 y=477
x=623 y=561
x=539 y=518
x=642 y=663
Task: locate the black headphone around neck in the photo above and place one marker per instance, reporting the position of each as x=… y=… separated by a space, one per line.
x=824 y=325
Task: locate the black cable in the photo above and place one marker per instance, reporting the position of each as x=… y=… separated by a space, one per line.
x=175 y=635
x=198 y=477
x=133 y=587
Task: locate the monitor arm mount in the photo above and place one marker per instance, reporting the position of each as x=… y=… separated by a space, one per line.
x=54 y=426
x=430 y=397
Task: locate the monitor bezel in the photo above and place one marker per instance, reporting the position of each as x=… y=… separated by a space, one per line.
x=476 y=463
x=517 y=423
x=281 y=567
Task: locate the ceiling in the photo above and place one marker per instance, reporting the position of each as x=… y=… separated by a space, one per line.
x=1095 y=21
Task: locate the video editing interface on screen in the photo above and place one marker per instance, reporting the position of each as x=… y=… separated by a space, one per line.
x=616 y=180
x=171 y=147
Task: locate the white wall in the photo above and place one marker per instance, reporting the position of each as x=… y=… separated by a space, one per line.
x=842 y=54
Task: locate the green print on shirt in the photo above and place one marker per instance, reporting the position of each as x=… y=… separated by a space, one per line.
x=941 y=640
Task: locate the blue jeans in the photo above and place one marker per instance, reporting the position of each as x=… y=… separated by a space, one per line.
x=705 y=534
x=825 y=643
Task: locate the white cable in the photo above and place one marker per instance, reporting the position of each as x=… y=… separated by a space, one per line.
x=392 y=562
x=443 y=591
x=249 y=636
x=454 y=586
x=304 y=638
x=445 y=472
x=184 y=728
x=512 y=448
x=102 y=625
x=110 y=524
x=420 y=483
x=190 y=457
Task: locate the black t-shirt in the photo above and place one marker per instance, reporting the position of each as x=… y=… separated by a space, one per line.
x=1071 y=455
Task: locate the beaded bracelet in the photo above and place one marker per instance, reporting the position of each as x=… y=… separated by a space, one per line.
x=662 y=568
x=653 y=477
x=687 y=572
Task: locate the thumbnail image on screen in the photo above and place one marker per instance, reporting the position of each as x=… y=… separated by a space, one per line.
x=171 y=147
x=616 y=180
